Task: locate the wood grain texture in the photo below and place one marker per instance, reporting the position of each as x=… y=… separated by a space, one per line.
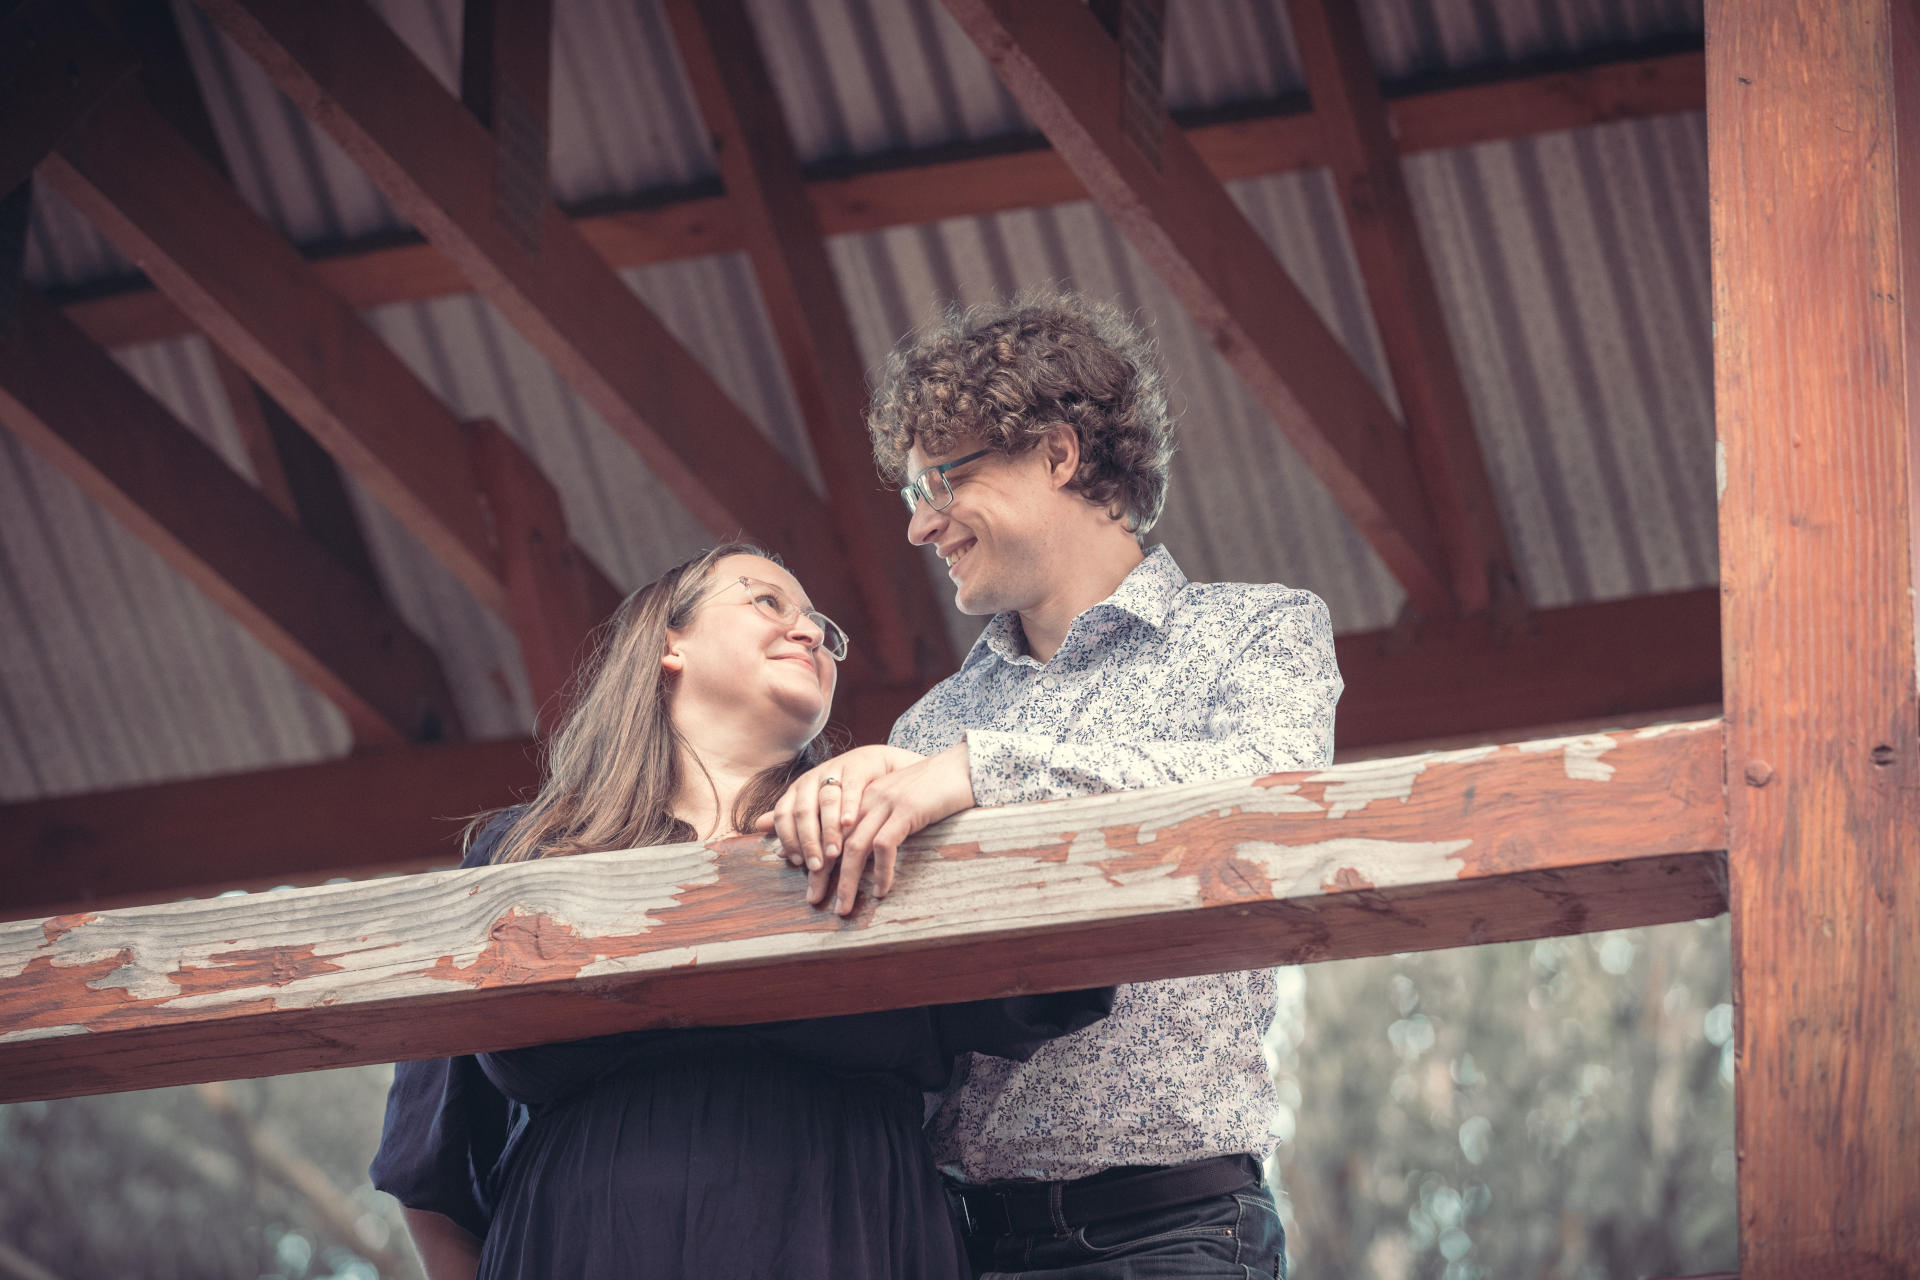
x=1814 y=149
x=1065 y=73
x=1365 y=164
x=1479 y=846
x=362 y=815
x=918 y=188
x=76 y=407
x=721 y=55
x=347 y=71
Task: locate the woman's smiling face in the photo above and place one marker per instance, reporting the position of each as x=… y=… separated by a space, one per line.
x=733 y=655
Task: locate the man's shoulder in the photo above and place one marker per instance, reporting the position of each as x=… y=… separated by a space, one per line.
x=1246 y=601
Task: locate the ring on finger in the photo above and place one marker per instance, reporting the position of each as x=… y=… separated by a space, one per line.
x=829 y=781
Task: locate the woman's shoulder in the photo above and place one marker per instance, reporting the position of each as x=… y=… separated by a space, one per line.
x=480 y=852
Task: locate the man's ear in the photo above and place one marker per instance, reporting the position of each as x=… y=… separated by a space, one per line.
x=1061 y=449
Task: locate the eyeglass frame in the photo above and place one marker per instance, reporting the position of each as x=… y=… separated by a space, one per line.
x=828 y=627
x=919 y=485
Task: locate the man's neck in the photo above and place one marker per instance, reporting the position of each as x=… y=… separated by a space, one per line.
x=1092 y=572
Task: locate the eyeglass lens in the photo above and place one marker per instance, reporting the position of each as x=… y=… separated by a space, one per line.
x=774 y=605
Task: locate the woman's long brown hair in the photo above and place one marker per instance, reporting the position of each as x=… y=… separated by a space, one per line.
x=614 y=767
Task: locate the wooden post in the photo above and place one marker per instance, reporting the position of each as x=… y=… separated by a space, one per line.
x=1814 y=148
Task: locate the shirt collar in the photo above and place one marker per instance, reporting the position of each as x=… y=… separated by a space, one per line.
x=1148 y=593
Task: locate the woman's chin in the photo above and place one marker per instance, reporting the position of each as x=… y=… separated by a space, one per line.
x=802 y=717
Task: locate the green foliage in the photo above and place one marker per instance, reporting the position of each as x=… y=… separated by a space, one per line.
x=1558 y=1108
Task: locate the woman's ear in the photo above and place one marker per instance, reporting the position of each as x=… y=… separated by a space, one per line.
x=672 y=661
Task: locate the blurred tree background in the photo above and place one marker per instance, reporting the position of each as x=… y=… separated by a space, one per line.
x=1558 y=1109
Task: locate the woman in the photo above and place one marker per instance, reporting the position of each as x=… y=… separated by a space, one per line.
x=790 y=1149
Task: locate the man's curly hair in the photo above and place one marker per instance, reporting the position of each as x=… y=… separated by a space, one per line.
x=1005 y=372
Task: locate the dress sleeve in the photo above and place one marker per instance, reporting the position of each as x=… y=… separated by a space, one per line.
x=447 y=1128
x=1273 y=711
x=446 y=1131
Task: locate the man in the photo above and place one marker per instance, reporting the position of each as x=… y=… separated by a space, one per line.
x=1032 y=441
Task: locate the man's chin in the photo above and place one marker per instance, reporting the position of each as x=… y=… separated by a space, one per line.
x=975 y=601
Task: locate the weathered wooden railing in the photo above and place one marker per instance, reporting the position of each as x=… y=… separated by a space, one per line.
x=1480 y=845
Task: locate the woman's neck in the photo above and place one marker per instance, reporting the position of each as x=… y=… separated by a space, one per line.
x=708 y=794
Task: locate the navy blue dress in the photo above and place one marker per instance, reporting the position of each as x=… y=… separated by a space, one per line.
x=785 y=1149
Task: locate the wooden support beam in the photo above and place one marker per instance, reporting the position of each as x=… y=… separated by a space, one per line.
x=552 y=602
x=56 y=65
x=916 y=188
x=146 y=187
x=1445 y=677
x=344 y=67
x=1063 y=69
x=148 y=191
x=1813 y=121
x=506 y=54
x=363 y=815
x=1480 y=846
x=1365 y=163
x=811 y=323
x=70 y=402
x=288 y=466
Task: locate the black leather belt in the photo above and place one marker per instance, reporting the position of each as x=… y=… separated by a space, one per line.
x=1031 y=1208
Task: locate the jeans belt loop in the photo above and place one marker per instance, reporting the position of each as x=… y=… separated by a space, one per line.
x=1054 y=1191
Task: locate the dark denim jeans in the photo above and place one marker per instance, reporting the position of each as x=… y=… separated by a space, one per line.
x=1236 y=1237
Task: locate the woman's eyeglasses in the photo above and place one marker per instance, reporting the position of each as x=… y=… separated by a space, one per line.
x=776 y=605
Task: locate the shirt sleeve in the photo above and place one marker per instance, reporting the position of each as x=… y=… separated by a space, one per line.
x=1272 y=711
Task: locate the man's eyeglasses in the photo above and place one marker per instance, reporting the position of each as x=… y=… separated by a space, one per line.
x=776 y=605
x=929 y=484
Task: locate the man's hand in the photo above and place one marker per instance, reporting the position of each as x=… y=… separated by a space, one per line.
x=883 y=796
x=811 y=818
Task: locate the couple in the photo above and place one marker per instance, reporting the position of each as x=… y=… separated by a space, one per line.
x=1032 y=440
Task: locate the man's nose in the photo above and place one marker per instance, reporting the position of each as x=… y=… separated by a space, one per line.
x=924 y=524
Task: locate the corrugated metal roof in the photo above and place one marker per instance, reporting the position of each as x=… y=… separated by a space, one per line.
x=1573 y=270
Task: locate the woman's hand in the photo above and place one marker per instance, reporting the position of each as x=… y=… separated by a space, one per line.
x=810 y=818
x=864 y=802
